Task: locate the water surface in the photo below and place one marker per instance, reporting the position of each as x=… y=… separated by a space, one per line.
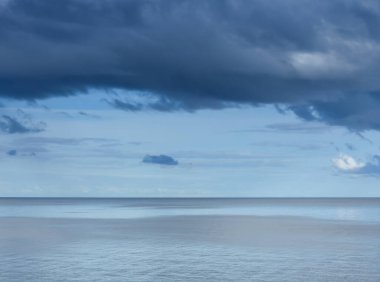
x=51 y=239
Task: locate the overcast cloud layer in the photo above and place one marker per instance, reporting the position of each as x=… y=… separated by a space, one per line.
x=319 y=59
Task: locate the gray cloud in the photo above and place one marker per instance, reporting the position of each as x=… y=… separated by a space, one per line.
x=350 y=147
x=12 y=125
x=319 y=59
x=24 y=152
x=12 y=152
x=357 y=111
x=160 y=159
x=372 y=167
x=35 y=104
x=164 y=104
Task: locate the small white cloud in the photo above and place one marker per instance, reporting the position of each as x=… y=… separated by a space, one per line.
x=347 y=163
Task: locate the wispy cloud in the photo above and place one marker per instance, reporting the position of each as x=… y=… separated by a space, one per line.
x=89 y=115
x=62 y=141
x=298 y=127
x=12 y=125
x=291 y=127
x=350 y=147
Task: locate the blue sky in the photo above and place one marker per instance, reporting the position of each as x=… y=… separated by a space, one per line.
x=189 y=98
x=88 y=148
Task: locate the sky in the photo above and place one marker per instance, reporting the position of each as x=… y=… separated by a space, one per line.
x=143 y=98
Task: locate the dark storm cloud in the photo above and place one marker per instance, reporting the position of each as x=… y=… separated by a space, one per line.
x=318 y=58
x=357 y=111
x=160 y=159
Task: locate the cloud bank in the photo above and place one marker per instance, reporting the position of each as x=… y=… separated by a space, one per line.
x=319 y=59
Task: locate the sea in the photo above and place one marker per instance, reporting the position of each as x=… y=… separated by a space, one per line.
x=189 y=239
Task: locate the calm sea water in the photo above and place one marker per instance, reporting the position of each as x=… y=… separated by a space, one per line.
x=46 y=239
